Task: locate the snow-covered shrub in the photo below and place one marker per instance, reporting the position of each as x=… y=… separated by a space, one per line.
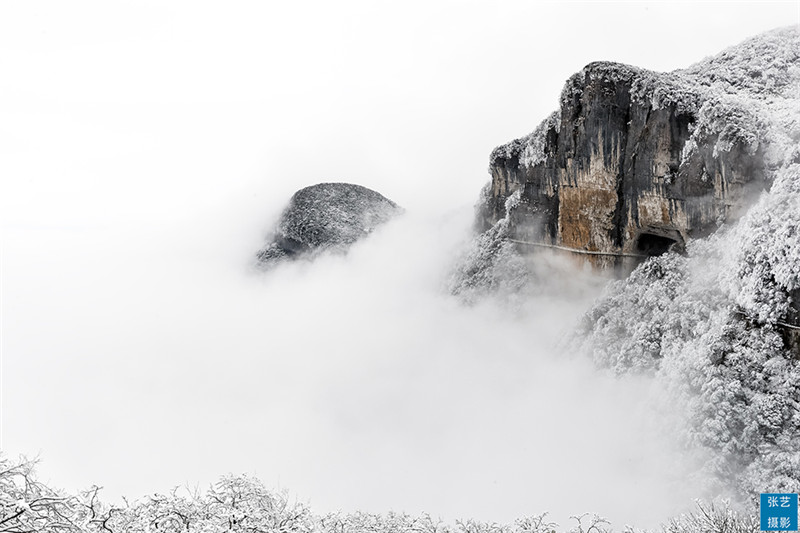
x=240 y=504
x=710 y=326
x=491 y=263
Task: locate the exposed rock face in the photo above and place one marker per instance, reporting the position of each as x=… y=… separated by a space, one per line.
x=633 y=154
x=327 y=216
x=634 y=162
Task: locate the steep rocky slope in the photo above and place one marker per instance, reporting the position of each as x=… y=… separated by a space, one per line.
x=326 y=216
x=701 y=168
x=636 y=161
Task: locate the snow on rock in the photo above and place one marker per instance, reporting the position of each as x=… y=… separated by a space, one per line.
x=634 y=160
x=491 y=263
x=708 y=155
x=327 y=216
x=719 y=326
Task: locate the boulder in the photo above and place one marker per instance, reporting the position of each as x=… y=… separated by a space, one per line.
x=326 y=216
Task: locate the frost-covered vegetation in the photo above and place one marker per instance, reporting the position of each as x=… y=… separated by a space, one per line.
x=714 y=326
x=710 y=327
x=531 y=148
x=491 y=263
x=745 y=95
x=244 y=504
x=326 y=217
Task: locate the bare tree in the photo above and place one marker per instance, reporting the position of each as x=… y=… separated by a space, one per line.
x=28 y=506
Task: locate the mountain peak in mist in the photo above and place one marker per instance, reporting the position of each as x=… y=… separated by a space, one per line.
x=691 y=179
x=635 y=162
x=326 y=216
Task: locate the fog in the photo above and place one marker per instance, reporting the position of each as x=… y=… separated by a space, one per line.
x=141 y=360
x=145 y=152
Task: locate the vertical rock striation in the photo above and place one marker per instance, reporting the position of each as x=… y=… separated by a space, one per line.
x=706 y=159
x=629 y=165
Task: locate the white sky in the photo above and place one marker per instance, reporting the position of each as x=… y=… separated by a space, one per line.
x=146 y=147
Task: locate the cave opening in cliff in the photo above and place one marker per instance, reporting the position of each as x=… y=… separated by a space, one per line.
x=652 y=245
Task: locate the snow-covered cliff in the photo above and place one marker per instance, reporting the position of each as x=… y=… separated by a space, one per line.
x=635 y=161
x=699 y=169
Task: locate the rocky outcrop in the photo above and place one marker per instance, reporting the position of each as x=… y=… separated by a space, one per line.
x=633 y=163
x=705 y=161
x=327 y=216
x=718 y=326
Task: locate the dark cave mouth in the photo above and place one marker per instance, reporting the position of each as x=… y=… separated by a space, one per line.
x=652 y=245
